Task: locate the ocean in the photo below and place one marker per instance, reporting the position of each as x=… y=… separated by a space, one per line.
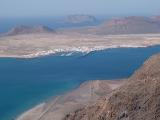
x=25 y=83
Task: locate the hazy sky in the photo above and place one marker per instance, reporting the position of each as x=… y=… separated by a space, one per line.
x=37 y=8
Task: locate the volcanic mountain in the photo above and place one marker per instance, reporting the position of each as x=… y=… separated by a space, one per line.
x=29 y=30
x=126 y=25
x=116 y=26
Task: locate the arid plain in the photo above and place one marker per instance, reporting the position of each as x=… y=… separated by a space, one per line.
x=34 y=45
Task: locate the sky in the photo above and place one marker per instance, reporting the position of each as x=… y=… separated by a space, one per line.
x=40 y=8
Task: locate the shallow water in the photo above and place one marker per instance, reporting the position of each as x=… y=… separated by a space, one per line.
x=27 y=82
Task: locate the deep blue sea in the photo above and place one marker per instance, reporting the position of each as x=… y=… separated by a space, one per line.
x=25 y=83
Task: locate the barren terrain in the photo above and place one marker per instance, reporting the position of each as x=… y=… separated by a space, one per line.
x=34 y=45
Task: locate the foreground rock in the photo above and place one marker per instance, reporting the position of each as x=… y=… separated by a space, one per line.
x=137 y=99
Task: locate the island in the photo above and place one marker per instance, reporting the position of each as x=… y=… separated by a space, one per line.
x=35 y=41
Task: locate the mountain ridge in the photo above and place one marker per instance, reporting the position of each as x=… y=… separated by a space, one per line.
x=23 y=29
x=115 y=26
x=123 y=25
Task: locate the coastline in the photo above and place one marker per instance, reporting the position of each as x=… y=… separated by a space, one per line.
x=78 y=98
x=75 y=99
x=101 y=88
x=82 y=46
x=30 y=110
x=70 y=51
x=36 y=45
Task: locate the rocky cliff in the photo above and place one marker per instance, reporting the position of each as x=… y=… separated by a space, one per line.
x=137 y=99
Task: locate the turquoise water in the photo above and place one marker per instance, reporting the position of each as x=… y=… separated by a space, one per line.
x=27 y=82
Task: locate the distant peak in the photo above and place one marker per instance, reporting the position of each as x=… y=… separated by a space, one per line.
x=22 y=29
x=80 y=18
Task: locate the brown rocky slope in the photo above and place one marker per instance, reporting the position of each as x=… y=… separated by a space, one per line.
x=137 y=99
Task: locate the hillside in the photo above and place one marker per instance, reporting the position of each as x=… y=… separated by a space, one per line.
x=137 y=99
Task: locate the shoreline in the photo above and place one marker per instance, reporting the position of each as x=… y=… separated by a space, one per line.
x=20 y=117
x=63 y=104
x=86 y=48
x=30 y=110
x=70 y=51
x=37 y=45
x=112 y=86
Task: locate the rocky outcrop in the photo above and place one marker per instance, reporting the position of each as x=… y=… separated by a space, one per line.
x=29 y=30
x=137 y=99
x=79 y=19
